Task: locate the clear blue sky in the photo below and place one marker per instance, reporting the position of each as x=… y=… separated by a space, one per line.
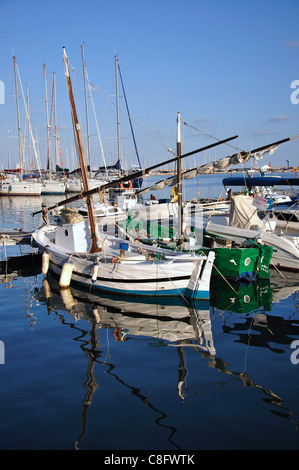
x=226 y=65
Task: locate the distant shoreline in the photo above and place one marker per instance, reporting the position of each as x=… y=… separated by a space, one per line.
x=271 y=171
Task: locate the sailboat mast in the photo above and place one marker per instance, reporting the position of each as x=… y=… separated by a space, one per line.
x=86 y=108
x=129 y=116
x=48 y=125
x=29 y=146
x=78 y=137
x=117 y=109
x=54 y=113
x=18 y=112
x=179 y=176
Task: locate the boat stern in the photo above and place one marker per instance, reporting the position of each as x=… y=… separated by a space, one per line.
x=199 y=283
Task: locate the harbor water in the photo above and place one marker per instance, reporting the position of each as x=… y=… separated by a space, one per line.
x=92 y=372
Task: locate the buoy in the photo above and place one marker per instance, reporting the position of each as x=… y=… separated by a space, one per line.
x=45 y=263
x=124 y=188
x=66 y=275
x=94 y=274
x=175 y=194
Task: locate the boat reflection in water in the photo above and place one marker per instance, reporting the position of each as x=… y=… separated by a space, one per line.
x=180 y=321
x=181 y=325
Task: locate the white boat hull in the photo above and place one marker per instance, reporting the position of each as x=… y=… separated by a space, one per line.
x=286 y=221
x=103 y=210
x=20 y=188
x=128 y=272
x=76 y=185
x=53 y=187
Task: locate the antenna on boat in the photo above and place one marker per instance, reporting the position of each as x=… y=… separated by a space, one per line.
x=77 y=130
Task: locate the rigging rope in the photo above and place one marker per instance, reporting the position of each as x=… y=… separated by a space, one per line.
x=29 y=124
x=55 y=123
x=209 y=135
x=124 y=112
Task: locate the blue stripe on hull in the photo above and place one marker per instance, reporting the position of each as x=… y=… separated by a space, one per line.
x=199 y=295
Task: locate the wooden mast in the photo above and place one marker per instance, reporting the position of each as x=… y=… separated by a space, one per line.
x=77 y=130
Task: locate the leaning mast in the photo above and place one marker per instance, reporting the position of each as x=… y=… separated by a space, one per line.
x=78 y=137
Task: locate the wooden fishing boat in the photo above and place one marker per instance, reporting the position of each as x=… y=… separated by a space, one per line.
x=120 y=267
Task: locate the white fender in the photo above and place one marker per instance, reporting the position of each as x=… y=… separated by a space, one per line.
x=45 y=263
x=66 y=275
x=94 y=274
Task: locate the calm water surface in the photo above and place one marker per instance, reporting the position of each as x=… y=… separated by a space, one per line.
x=91 y=372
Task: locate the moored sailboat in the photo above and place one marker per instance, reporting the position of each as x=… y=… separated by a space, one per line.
x=18 y=184
x=51 y=185
x=13 y=186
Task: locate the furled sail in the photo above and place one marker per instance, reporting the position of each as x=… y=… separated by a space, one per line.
x=222 y=163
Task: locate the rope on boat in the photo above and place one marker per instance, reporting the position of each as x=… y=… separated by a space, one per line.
x=279 y=272
x=209 y=135
x=226 y=280
x=125 y=113
x=166 y=275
